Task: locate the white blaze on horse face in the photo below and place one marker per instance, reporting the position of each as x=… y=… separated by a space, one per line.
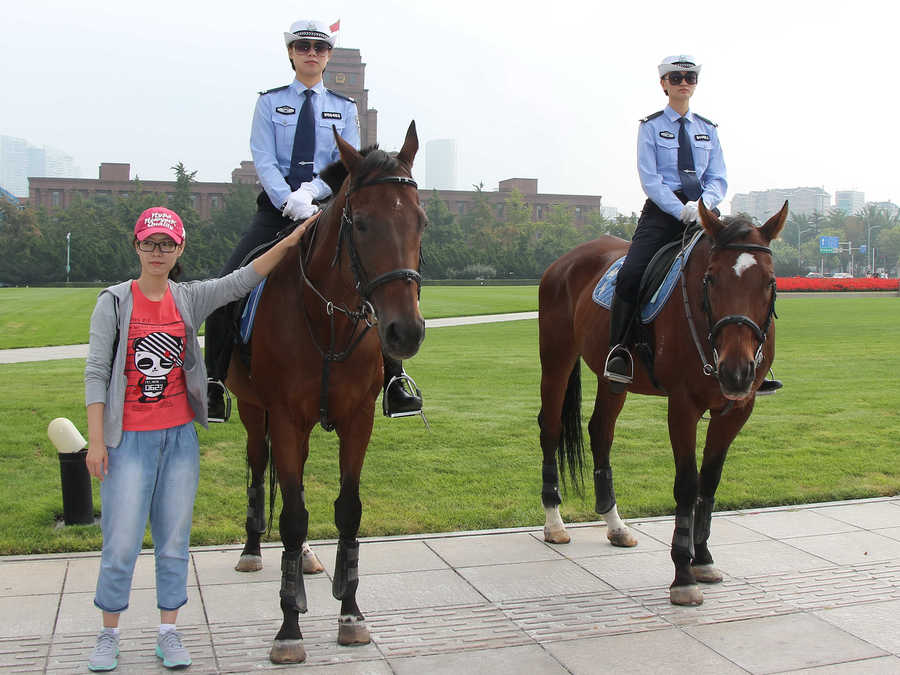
x=744 y=262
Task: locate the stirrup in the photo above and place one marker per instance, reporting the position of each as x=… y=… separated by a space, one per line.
x=404 y=378
x=226 y=400
x=769 y=387
x=619 y=350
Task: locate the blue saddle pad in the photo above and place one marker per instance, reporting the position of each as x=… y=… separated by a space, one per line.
x=603 y=292
x=249 y=313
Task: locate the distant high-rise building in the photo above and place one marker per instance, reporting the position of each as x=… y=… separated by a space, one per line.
x=888 y=207
x=440 y=164
x=346 y=74
x=20 y=160
x=763 y=204
x=849 y=201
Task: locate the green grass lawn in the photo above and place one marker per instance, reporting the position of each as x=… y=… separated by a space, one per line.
x=41 y=317
x=832 y=433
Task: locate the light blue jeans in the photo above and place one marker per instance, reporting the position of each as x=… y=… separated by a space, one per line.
x=155 y=474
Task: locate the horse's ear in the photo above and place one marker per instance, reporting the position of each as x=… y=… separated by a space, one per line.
x=410 y=146
x=349 y=155
x=709 y=221
x=773 y=225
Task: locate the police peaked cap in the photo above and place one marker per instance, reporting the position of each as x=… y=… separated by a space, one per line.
x=680 y=63
x=309 y=30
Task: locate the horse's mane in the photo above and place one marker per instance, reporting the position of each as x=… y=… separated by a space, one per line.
x=375 y=160
x=736 y=227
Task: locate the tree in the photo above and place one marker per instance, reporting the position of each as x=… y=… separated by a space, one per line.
x=442 y=243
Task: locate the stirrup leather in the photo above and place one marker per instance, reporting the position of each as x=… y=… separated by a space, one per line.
x=226 y=397
x=409 y=385
x=619 y=350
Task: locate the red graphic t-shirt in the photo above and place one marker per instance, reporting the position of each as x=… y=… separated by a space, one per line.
x=155 y=397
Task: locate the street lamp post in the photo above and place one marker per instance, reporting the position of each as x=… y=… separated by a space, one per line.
x=68 y=267
x=869 y=246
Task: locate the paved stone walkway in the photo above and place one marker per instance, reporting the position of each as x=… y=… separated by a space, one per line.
x=812 y=589
x=25 y=354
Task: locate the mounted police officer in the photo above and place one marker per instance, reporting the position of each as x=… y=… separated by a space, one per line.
x=679 y=162
x=291 y=140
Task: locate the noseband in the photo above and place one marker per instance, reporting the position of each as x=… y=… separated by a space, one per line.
x=714 y=328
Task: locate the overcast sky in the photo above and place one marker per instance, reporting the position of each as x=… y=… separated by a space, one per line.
x=805 y=93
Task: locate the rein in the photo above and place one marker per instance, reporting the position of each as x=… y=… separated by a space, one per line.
x=365 y=313
x=714 y=328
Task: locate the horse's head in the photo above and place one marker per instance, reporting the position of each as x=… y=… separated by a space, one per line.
x=739 y=298
x=382 y=231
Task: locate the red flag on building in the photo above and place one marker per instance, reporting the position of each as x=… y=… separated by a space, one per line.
x=335 y=27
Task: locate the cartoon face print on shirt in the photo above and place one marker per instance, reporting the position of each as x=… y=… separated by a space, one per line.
x=155 y=355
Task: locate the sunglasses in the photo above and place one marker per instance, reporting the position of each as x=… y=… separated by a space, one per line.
x=166 y=245
x=304 y=46
x=689 y=77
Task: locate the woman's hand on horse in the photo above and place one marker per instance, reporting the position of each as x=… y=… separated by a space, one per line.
x=267 y=261
x=97 y=461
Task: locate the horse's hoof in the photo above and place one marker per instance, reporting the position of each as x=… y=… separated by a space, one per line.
x=707 y=574
x=352 y=631
x=249 y=563
x=622 y=537
x=686 y=595
x=559 y=536
x=311 y=563
x=287 y=651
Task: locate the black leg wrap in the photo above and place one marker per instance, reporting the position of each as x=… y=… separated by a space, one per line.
x=703 y=519
x=604 y=493
x=683 y=538
x=256 y=508
x=293 y=593
x=346 y=569
x=550 y=490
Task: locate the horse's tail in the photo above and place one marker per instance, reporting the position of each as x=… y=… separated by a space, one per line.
x=571 y=440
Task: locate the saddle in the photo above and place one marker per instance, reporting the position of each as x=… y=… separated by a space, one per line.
x=658 y=280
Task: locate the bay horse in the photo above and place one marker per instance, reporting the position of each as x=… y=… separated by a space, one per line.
x=314 y=359
x=729 y=282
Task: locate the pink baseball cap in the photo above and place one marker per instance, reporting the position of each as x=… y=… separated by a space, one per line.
x=159 y=220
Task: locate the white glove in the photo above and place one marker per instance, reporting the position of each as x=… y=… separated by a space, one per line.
x=299 y=204
x=689 y=213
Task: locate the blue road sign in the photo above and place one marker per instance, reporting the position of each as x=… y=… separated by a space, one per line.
x=829 y=245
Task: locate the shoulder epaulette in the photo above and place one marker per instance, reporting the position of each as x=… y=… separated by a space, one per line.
x=269 y=91
x=708 y=121
x=334 y=93
x=652 y=117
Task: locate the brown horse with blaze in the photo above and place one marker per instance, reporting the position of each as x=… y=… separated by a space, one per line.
x=729 y=282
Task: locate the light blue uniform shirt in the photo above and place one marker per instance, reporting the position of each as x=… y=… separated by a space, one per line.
x=657 y=159
x=274 y=126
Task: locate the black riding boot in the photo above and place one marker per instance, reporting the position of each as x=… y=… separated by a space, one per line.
x=619 y=368
x=397 y=401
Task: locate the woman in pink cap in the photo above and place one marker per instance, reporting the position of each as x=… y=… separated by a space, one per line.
x=145 y=386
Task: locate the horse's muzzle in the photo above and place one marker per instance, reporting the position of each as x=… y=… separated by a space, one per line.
x=736 y=381
x=402 y=337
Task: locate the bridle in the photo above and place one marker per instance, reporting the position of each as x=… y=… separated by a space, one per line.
x=714 y=328
x=365 y=316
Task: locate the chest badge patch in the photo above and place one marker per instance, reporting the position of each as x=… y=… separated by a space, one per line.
x=701 y=137
x=331 y=115
x=285 y=110
x=666 y=134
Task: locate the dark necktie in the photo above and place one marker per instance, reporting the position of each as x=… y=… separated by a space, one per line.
x=690 y=185
x=304 y=145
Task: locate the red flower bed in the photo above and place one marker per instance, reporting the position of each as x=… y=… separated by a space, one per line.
x=828 y=284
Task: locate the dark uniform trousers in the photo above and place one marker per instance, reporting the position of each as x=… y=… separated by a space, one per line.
x=655 y=229
x=220 y=333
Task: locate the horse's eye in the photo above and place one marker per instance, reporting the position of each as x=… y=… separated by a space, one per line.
x=709 y=279
x=360 y=224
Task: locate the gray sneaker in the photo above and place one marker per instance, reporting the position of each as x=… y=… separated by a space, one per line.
x=106 y=652
x=171 y=651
